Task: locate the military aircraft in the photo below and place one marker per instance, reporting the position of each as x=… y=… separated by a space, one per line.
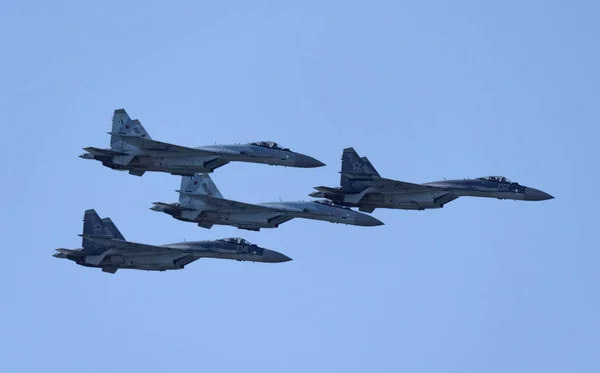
x=105 y=247
x=201 y=202
x=361 y=186
x=132 y=149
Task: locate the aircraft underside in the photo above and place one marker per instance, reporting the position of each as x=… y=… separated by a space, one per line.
x=164 y=262
x=420 y=201
x=253 y=222
x=184 y=166
x=143 y=262
x=256 y=221
x=492 y=194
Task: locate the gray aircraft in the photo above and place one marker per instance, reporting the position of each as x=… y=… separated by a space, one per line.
x=201 y=202
x=361 y=186
x=132 y=149
x=105 y=247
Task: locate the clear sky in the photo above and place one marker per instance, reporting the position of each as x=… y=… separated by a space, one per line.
x=426 y=90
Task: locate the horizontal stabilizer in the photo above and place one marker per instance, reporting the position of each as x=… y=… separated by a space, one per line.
x=171 y=206
x=69 y=252
x=329 y=190
x=106 y=152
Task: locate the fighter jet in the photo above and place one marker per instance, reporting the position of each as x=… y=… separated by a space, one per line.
x=132 y=149
x=361 y=186
x=103 y=246
x=201 y=202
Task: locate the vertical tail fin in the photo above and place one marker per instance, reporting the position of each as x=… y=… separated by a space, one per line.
x=122 y=124
x=119 y=121
x=111 y=229
x=352 y=163
x=368 y=167
x=92 y=226
x=199 y=184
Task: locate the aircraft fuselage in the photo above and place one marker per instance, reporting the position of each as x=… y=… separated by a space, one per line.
x=436 y=198
x=183 y=254
x=272 y=219
x=187 y=165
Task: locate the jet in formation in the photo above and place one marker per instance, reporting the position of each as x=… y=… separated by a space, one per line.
x=201 y=202
x=132 y=149
x=361 y=186
x=103 y=246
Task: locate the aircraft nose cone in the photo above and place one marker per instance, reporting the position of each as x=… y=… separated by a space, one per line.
x=365 y=220
x=532 y=194
x=304 y=161
x=271 y=256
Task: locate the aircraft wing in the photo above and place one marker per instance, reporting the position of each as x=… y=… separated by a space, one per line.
x=115 y=243
x=227 y=205
x=159 y=146
x=383 y=183
x=380 y=182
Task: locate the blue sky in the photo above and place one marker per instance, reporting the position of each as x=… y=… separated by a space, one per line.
x=425 y=90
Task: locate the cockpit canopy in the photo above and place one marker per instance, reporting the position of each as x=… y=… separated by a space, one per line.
x=269 y=144
x=235 y=240
x=497 y=179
